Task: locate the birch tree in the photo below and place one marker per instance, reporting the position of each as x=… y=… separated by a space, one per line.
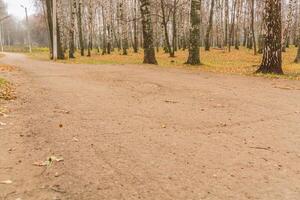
x=272 y=55
x=149 y=52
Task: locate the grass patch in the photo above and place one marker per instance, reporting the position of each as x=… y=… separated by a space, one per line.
x=2 y=82
x=241 y=62
x=7 y=91
x=24 y=49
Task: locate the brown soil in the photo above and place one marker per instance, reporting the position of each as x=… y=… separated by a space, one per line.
x=142 y=132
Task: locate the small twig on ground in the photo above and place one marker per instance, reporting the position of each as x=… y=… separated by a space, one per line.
x=262 y=148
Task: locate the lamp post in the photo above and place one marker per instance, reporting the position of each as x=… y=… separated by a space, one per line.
x=28 y=29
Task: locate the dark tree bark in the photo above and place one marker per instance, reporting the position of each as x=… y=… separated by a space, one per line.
x=60 y=49
x=252 y=26
x=124 y=25
x=72 y=30
x=287 y=30
x=261 y=43
x=237 y=25
x=135 y=28
x=60 y=52
x=297 y=60
x=272 y=56
x=104 y=40
x=165 y=25
x=90 y=25
x=194 y=50
x=174 y=20
x=210 y=24
x=81 y=42
x=50 y=24
x=109 y=33
x=149 y=51
x=231 y=32
x=226 y=22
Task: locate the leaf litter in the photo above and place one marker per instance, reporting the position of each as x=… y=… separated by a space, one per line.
x=6 y=182
x=47 y=163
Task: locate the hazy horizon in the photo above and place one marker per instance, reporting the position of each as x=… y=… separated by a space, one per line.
x=14 y=7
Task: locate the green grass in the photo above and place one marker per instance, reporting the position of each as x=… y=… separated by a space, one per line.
x=241 y=62
x=2 y=82
x=24 y=49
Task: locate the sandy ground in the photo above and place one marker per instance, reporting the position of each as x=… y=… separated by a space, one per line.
x=142 y=132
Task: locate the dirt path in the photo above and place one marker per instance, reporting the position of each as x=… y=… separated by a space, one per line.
x=138 y=132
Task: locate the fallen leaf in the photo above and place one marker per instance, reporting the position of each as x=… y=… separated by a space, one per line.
x=58 y=189
x=219 y=106
x=3 y=115
x=56 y=174
x=48 y=162
x=171 y=101
x=41 y=163
x=222 y=124
x=6 y=182
x=53 y=158
x=62 y=111
x=2 y=124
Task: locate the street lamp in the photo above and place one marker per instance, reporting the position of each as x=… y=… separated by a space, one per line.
x=28 y=29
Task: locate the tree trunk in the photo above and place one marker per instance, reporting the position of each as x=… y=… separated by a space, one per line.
x=60 y=39
x=109 y=32
x=252 y=25
x=210 y=24
x=135 y=27
x=90 y=25
x=194 y=50
x=104 y=40
x=72 y=30
x=237 y=25
x=297 y=60
x=149 y=51
x=175 y=46
x=50 y=24
x=287 y=29
x=226 y=22
x=165 y=25
x=272 y=56
x=231 y=32
x=60 y=52
x=261 y=43
x=124 y=26
x=80 y=28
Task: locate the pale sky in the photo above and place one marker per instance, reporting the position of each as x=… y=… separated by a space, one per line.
x=14 y=7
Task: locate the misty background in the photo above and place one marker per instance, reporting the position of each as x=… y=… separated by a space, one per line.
x=13 y=29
